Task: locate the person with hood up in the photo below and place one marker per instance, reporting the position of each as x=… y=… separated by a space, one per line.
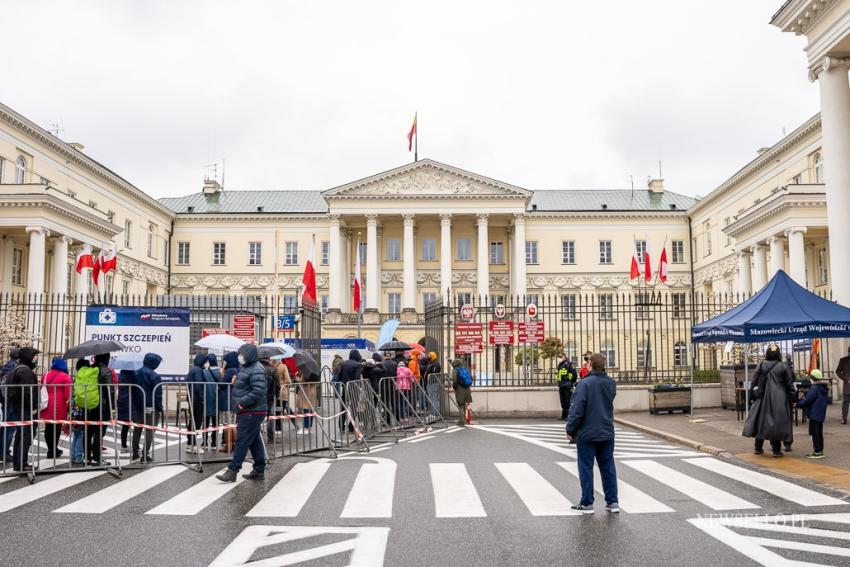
x=196 y=379
x=8 y=411
x=147 y=408
x=125 y=392
x=106 y=381
x=78 y=413
x=374 y=370
x=225 y=390
x=58 y=384
x=463 y=392
x=349 y=371
x=212 y=402
x=814 y=404
x=284 y=386
x=22 y=396
x=770 y=414
x=249 y=396
x=433 y=383
x=843 y=372
x=404 y=384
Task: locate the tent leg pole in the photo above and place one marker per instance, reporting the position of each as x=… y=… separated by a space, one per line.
x=746 y=382
x=693 y=363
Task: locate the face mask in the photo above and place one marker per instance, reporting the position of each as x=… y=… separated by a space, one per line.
x=241 y=359
x=586 y=358
x=206 y=364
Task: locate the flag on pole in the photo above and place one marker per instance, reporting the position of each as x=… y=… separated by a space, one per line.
x=647 y=265
x=663 y=264
x=814 y=359
x=357 y=280
x=96 y=269
x=309 y=277
x=634 y=271
x=108 y=262
x=85 y=260
x=411 y=134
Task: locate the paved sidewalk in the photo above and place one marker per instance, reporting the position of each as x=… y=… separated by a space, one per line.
x=718 y=432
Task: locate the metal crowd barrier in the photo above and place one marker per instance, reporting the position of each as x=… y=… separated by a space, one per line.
x=372 y=415
x=441 y=386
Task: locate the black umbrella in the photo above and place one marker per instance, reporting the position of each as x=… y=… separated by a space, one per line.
x=307 y=365
x=93 y=348
x=394 y=345
x=264 y=351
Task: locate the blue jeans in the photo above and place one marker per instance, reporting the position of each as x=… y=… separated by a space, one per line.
x=248 y=437
x=308 y=421
x=77 y=446
x=603 y=452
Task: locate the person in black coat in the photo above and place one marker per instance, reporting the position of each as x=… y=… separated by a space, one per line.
x=148 y=407
x=22 y=396
x=770 y=414
x=349 y=371
x=195 y=393
x=565 y=376
x=272 y=394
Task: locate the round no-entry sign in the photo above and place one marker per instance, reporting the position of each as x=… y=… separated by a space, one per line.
x=531 y=310
x=467 y=311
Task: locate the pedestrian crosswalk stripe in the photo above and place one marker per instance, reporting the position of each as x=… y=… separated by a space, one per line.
x=700 y=491
x=372 y=493
x=778 y=487
x=540 y=497
x=120 y=492
x=631 y=499
x=454 y=494
x=44 y=488
x=288 y=496
x=532 y=440
x=193 y=500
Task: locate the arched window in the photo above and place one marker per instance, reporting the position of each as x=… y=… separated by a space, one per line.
x=680 y=354
x=20 y=170
x=818 y=167
x=644 y=354
x=609 y=351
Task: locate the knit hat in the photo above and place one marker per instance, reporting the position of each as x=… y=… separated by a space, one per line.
x=816 y=374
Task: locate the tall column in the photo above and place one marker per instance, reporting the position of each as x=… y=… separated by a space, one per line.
x=445 y=254
x=745 y=280
x=8 y=260
x=483 y=256
x=37 y=258
x=519 y=254
x=759 y=267
x=334 y=276
x=346 y=281
x=777 y=254
x=373 y=277
x=835 y=119
x=59 y=288
x=408 y=300
x=797 y=254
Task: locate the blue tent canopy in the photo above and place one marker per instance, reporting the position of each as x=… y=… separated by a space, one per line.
x=781 y=311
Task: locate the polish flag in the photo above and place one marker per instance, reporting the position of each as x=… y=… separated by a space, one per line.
x=647 y=266
x=411 y=134
x=309 y=277
x=108 y=262
x=663 y=265
x=85 y=261
x=97 y=268
x=635 y=269
x=357 y=281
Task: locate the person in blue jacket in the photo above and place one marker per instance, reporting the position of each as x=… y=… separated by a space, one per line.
x=125 y=392
x=249 y=395
x=225 y=390
x=814 y=404
x=590 y=424
x=148 y=407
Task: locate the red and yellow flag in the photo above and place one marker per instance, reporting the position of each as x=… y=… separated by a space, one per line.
x=411 y=134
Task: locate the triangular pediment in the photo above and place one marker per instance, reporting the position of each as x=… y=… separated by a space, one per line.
x=426 y=179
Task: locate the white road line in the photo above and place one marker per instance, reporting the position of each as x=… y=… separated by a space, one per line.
x=289 y=495
x=420 y=439
x=802 y=546
x=454 y=494
x=781 y=488
x=457 y=428
x=448 y=429
x=540 y=497
x=120 y=492
x=531 y=440
x=694 y=488
x=193 y=500
x=631 y=499
x=44 y=488
x=372 y=493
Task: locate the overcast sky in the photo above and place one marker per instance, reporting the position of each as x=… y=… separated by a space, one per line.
x=314 y=94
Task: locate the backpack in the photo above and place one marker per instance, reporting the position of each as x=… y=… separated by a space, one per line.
x=86 y=388
x=464 y=378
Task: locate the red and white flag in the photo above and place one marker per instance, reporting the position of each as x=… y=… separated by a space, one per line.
x=647 y=265
x=85 y=260
x=97 y=268
x=109 y=261
x=309 y=277
x=411 y=134
x=634 y=271
x=663 y=265
x=357 y=281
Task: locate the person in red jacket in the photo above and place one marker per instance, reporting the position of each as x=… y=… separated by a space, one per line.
x=585 y=368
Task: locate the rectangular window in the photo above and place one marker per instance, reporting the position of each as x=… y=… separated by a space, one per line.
x=218 y=253
x=568 y=306
x=823 y=270
x=726 y=222
x=255 y=253
x=326 y=252
x=290 y=257
x=18 y=267
x=677 y=252
x=393 y=250
x=363 y=249
x=125 y=288
x=128 y=228
x=640 y=248
x=464 y=249
x=706 y=227
x=183 y=253
x=429 y=249
x=323 y=302
x=497 y=252
x=151 y=235
x=394 y=303
x=695 y=247
x=642 y=301
x=530 y=252
x=290 y=304
x=429 y=298
x=533 y=298
x=605 y=252
x=679 y=305
x=464 y=298
x=568 y=252
x=496 y=300
x=606 y=307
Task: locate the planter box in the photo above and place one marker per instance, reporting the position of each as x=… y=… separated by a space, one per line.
x=677 y=398
x=730 y=378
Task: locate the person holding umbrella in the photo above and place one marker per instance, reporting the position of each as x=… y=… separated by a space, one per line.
x=249 y=395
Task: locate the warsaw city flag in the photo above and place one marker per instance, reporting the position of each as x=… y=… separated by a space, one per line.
x=309 y=277
x=663 y=265
x=85 y=261
x=357 y=281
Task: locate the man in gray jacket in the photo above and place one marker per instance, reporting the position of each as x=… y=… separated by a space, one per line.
x=249 y=398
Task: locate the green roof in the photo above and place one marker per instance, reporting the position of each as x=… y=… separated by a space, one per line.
x=228 y=202
x=568 y=200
